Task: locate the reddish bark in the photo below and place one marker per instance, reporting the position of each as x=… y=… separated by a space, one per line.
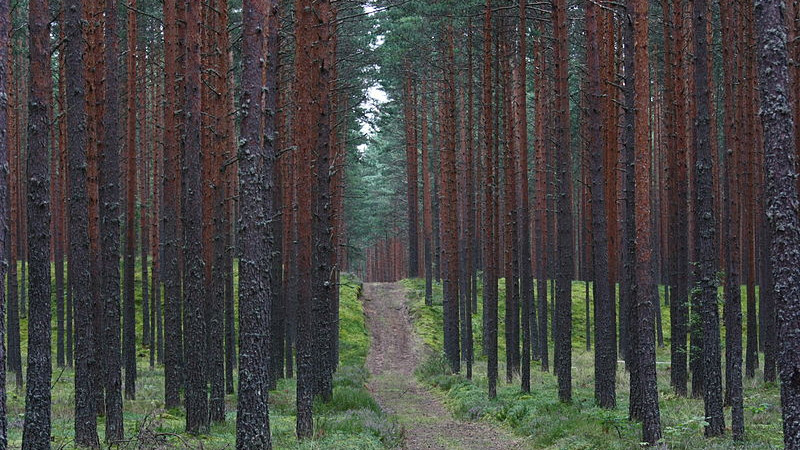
x=540 y=222
x=490 y=242
x=129 y=297
x=510 y=204
x=412 y=168
x=449 y=206
x=313 y=64
x=604 y=305
x=426 y=198
x=563 y=301
x=644 y=300
x=85 y=385
x=257 y=156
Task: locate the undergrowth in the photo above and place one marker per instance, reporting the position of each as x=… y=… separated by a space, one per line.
x=548 y=423
x=351 y=420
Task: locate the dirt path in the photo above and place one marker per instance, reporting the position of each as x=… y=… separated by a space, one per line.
x=394 y=354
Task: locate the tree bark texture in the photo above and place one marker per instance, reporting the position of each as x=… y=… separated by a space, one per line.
x=782 y=204
x=36 y=429
x=256 y=156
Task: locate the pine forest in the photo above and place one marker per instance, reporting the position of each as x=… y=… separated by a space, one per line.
x=417 y=224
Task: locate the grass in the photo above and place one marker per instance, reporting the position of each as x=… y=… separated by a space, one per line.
x=351 y=420
x=548 y=423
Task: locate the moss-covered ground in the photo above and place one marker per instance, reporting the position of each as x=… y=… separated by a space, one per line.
x=351 y=420
x=581 y=425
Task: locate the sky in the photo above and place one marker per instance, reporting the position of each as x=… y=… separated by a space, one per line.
x=376 y=96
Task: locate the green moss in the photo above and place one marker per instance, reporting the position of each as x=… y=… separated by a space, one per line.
x=353 y=334
x=548 y=423
x=351 y=420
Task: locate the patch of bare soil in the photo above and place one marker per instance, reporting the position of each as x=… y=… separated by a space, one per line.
x=393 y=355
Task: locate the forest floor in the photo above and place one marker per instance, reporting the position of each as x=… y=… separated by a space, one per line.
x=544 y=421
x=394 y=354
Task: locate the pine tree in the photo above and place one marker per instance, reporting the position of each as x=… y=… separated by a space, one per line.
x=36 y=429
x=173 y=347
x=563 y=300
x=110 y=197
x=129 y=260
x=5 y=71
x=85 y=414
x=449 y=205
x=643 y=299
x=256 y=156
x=605 y=345
x=490 y=250
x=706 y=277
x=192 y=208
x=412 y=169
x=782 y=198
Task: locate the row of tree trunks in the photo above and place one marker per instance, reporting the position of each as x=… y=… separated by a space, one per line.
x=189 y=217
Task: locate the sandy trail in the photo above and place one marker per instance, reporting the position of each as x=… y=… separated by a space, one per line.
x=393 y=355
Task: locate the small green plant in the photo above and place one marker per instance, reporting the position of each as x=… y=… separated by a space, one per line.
x=433 y=365
x=693 y=425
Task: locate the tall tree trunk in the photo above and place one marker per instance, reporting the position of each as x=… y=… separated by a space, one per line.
x=730 y=184
x=312 y=70
x=563 y=301
x=85 y=414
x=278 y=317
x=36 y=429
x=782 y=200
x=5 y=72
x=644 y=298
x=449 y=205
x=490 y=249
x=129 y=298
x=605 y=360
x=528 y=322
x=678 y=274
x=426 y=198
x=110 y=198
x=706 y=276
x=510 y=248
x=173 y=334
x=256 y=157
x=470 y=208
x=749 y=246
x=412 y=168
x=193 y=276
x=156 y=332
x=14 y=353
x=541 y=203
x=145 y=157
x=216 y=138
x=96 y=110
x=56 y=175
x=323 y=256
